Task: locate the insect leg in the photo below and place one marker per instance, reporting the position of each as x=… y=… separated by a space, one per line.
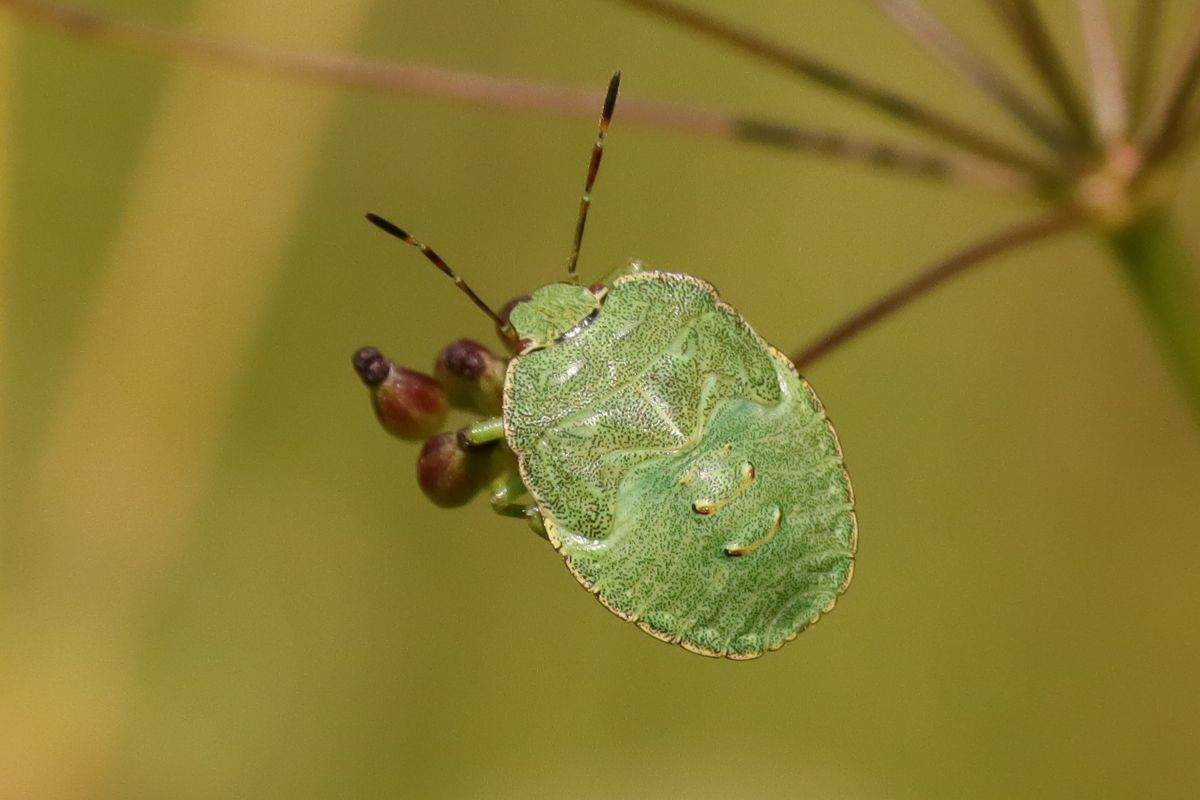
x=634 y=265
x=509 y=495
x=482 y=432
x=510 y=499
x=536 y=523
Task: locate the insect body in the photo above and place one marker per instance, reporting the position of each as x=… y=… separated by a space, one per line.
x=686 y=473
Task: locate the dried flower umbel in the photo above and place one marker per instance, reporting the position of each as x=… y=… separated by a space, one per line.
x=1107 y=162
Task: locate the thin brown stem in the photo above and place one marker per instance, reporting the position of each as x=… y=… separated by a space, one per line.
x=928 y=31
x=848 y=85
x=521 y=95
x=939 y=273
x=955 y=167
x=1142 y=57
x=1024 y=22
x=1166 y=129
x=1108 y=86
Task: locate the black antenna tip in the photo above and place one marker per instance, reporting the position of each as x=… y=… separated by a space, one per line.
x=384 y=225
x=610 y=100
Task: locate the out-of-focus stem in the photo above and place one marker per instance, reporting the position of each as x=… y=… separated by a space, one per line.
x=523 y=95
x=1108 y=85
x=1165 y=277
x=8 y=75
x=847 y=85
x=1165 y=128
x=934 y=276
x=1024 y=22
x=928 y=31
x=1142 y=56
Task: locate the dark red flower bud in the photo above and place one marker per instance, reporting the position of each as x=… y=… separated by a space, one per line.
x=409 y=404
x=450 y=474
x=472 y=376
x=371 y=366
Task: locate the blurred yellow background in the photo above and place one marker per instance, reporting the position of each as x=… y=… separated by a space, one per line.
x=219 y=578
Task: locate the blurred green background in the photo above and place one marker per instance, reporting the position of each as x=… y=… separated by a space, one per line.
x=219 y=578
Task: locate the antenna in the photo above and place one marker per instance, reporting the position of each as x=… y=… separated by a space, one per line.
x=402 y=235
x=610 y=100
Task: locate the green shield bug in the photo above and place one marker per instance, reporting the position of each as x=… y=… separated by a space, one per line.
x=686 y=473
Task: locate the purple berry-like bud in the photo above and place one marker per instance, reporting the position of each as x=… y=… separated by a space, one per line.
x=409 y=404
x=371 y=366
x=472 y=375
x=450 y=474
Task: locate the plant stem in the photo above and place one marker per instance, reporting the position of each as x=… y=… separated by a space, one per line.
x=1167 y=125
x=1108 y=85
x=848 y=85
x=1142 y=58
x=939 y=273
x=1164 y=275
x=1025 y=23
x=928 y=31
x=523 y=95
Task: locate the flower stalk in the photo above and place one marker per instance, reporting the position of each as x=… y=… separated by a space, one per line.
x=1165 y=278
x=514 y=94
x=1105 y=167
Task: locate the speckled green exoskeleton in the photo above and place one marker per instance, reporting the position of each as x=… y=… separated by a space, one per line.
x=686 y=473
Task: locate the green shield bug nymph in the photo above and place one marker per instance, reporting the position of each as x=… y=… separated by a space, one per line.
x=686 y=473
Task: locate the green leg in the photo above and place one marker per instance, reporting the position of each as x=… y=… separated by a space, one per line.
x=482 y=432
x=509 y=496
x=510 y=499
x=633 y=266
x=536 y=523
